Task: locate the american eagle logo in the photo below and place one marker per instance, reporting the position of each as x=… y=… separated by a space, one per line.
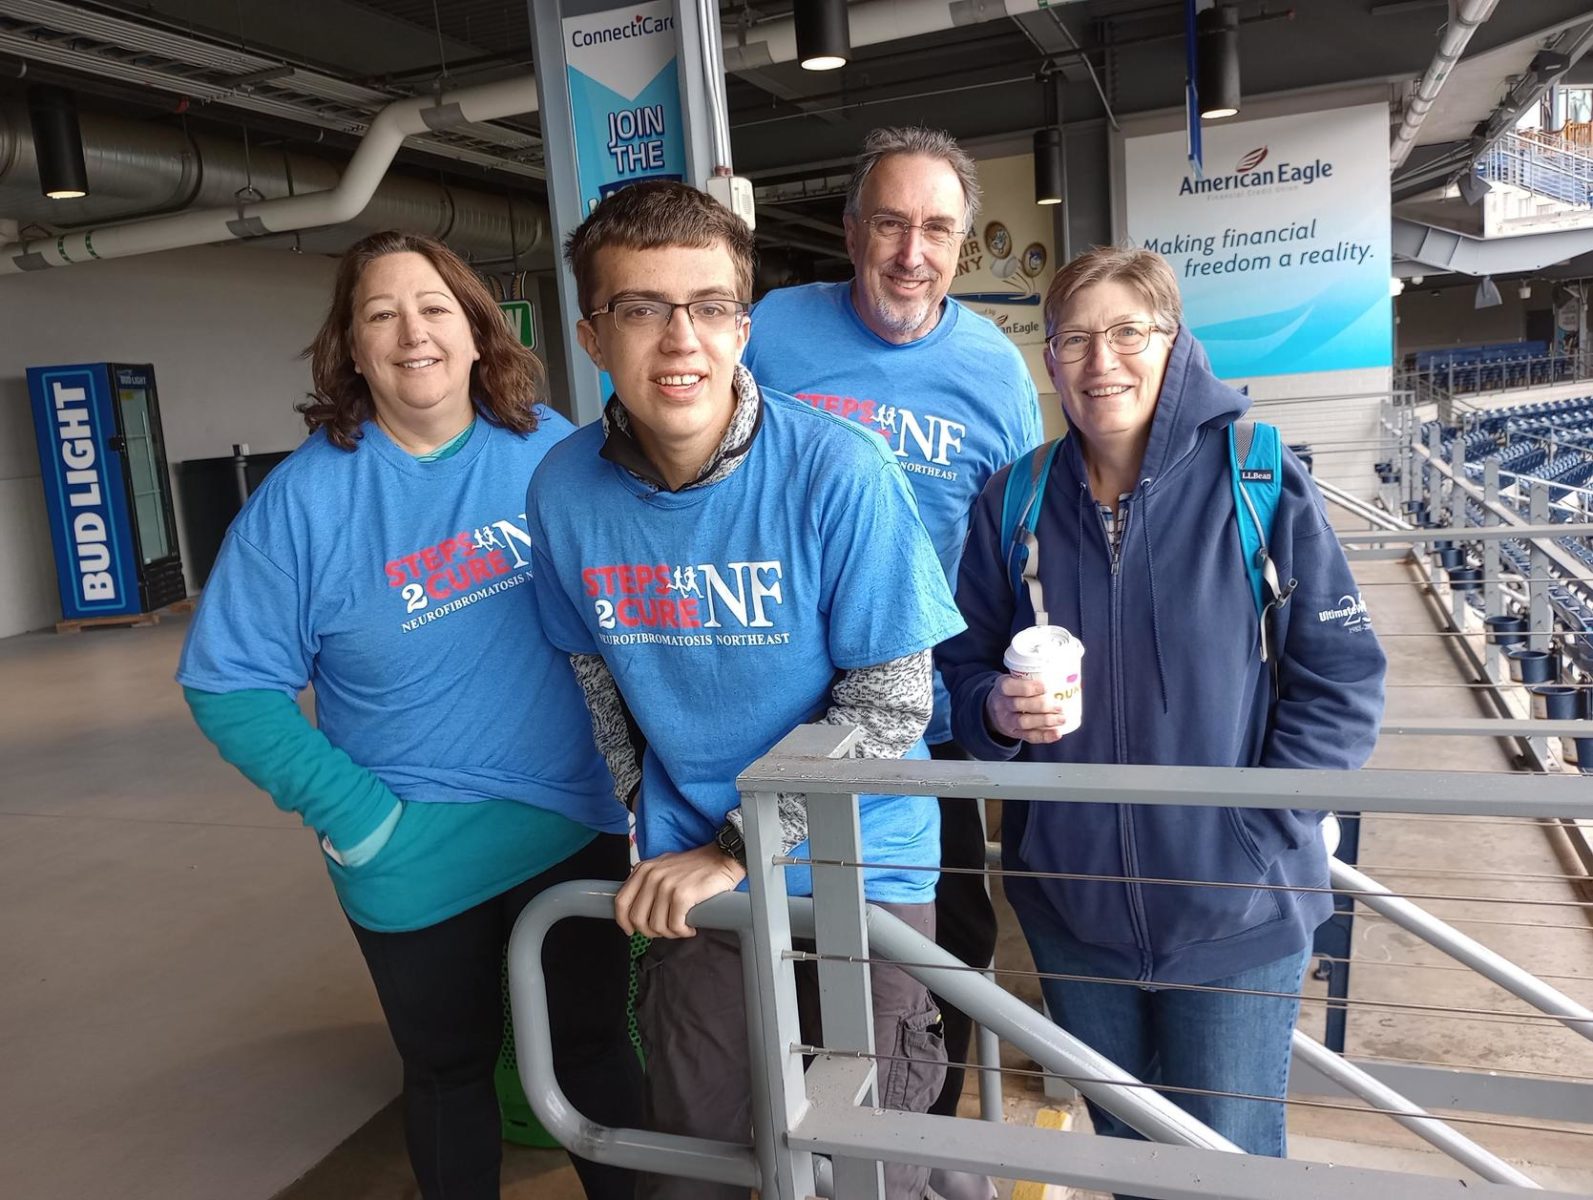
x=1251 y=161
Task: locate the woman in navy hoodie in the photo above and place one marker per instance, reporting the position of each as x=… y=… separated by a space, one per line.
x=1141 y=560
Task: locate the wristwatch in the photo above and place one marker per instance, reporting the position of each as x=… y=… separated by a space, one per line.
x=729 y=840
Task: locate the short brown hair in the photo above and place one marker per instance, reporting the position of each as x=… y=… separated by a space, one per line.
x=505 y=383
x=654 y=214
x=1147 y=272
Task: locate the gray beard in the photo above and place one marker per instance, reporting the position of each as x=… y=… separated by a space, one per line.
x=900 y=321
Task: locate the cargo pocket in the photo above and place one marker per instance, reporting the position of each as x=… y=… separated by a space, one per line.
x=913 y=1078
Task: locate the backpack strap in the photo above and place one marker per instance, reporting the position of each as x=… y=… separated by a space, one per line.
x=1255 y=460
x=1020 y=515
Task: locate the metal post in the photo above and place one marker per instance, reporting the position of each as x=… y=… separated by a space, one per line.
x=987 y=1044
x=565 y=211
x=693 y=62
x=1407 y=441
x=846 y=1008
x=1492 y=595
x=1437 y=499
x=1541 y=620
x=787 y=1174
x=1437 y=490
x=1461 y=516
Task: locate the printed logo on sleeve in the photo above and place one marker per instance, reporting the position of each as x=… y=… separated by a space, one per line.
x=935 y=439
x=460 y=570
x=1351 y=610
x=697 y=604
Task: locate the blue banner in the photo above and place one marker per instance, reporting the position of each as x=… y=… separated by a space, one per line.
x=1281 y=247
x=624 y=98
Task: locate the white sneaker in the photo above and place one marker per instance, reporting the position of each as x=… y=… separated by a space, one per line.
x=959 y=1185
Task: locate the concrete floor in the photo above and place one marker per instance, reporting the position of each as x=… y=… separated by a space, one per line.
x=184 y=1014
x=183 y=1011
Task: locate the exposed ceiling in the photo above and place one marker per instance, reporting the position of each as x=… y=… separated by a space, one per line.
x=310 y=73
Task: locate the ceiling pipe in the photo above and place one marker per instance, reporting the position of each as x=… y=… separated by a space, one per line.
x=1465 y=17
x=333 y=206
x=870 y=23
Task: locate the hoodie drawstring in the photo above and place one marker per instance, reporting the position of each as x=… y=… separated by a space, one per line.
x=1078 y=538
x=1150 y=572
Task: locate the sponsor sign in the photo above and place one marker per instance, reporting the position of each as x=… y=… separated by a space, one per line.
x=85 y=491
x=1282 y=248
x=1007 y=260
x=624 y=98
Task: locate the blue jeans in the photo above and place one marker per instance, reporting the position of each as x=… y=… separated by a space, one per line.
x=1177 y=1038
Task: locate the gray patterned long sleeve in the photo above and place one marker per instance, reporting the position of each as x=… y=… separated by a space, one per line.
x=891 y=703
x=611 y=729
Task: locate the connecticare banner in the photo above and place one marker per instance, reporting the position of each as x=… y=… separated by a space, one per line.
x=1281 y=248
x=624 y=98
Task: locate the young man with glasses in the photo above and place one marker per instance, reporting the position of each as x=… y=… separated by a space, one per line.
x=947 y=393
x=723 y=564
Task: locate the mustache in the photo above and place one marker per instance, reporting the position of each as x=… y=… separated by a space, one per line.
x=922 y=275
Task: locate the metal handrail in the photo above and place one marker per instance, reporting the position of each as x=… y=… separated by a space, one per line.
x=1559 y=171
x=1055 y=1050
x=1467 y=378
x=824 y=1116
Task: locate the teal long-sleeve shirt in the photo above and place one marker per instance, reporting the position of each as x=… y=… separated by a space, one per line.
x=435 y=860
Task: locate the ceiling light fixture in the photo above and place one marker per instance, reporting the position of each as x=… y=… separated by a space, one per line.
x=1048 y=165
x=1217 y=69
x=1050 y=162
x=57 y=142
x=823 y=37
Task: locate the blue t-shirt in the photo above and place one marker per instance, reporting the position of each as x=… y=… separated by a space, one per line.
x=725 y=611
x=954 y=407
x=397 y=588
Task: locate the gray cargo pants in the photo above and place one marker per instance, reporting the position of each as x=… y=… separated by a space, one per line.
x=694 y=1030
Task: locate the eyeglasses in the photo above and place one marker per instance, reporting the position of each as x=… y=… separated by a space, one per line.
x=653 y=316
x=1073 y=345
x=893 y=229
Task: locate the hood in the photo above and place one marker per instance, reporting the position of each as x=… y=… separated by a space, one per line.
x=1192 y=399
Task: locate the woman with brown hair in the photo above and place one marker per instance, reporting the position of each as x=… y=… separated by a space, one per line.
x=450 y=776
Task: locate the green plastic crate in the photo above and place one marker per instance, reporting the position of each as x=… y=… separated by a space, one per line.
x=520 y=1124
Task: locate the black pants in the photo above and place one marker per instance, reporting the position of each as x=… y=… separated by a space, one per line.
x=441 y=990
x=965 y=920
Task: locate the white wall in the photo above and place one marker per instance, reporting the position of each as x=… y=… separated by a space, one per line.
x=223 y=327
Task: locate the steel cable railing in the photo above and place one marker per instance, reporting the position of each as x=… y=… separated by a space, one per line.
x=811 y=774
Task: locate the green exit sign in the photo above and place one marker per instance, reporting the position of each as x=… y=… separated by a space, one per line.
x=518 y=313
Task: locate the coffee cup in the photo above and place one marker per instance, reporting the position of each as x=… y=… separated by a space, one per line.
x=1053 y=655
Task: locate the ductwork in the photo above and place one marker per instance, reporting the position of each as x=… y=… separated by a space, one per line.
x=873 y=22
x=1465 y=17
x=135 y=167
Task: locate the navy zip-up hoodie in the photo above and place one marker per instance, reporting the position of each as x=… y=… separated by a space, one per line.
x=1173 y=675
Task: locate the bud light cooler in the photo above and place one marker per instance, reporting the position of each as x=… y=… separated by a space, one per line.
x=103 y=462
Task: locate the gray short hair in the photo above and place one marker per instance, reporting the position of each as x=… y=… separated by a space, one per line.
x=1144 y=271
x=913 y=139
